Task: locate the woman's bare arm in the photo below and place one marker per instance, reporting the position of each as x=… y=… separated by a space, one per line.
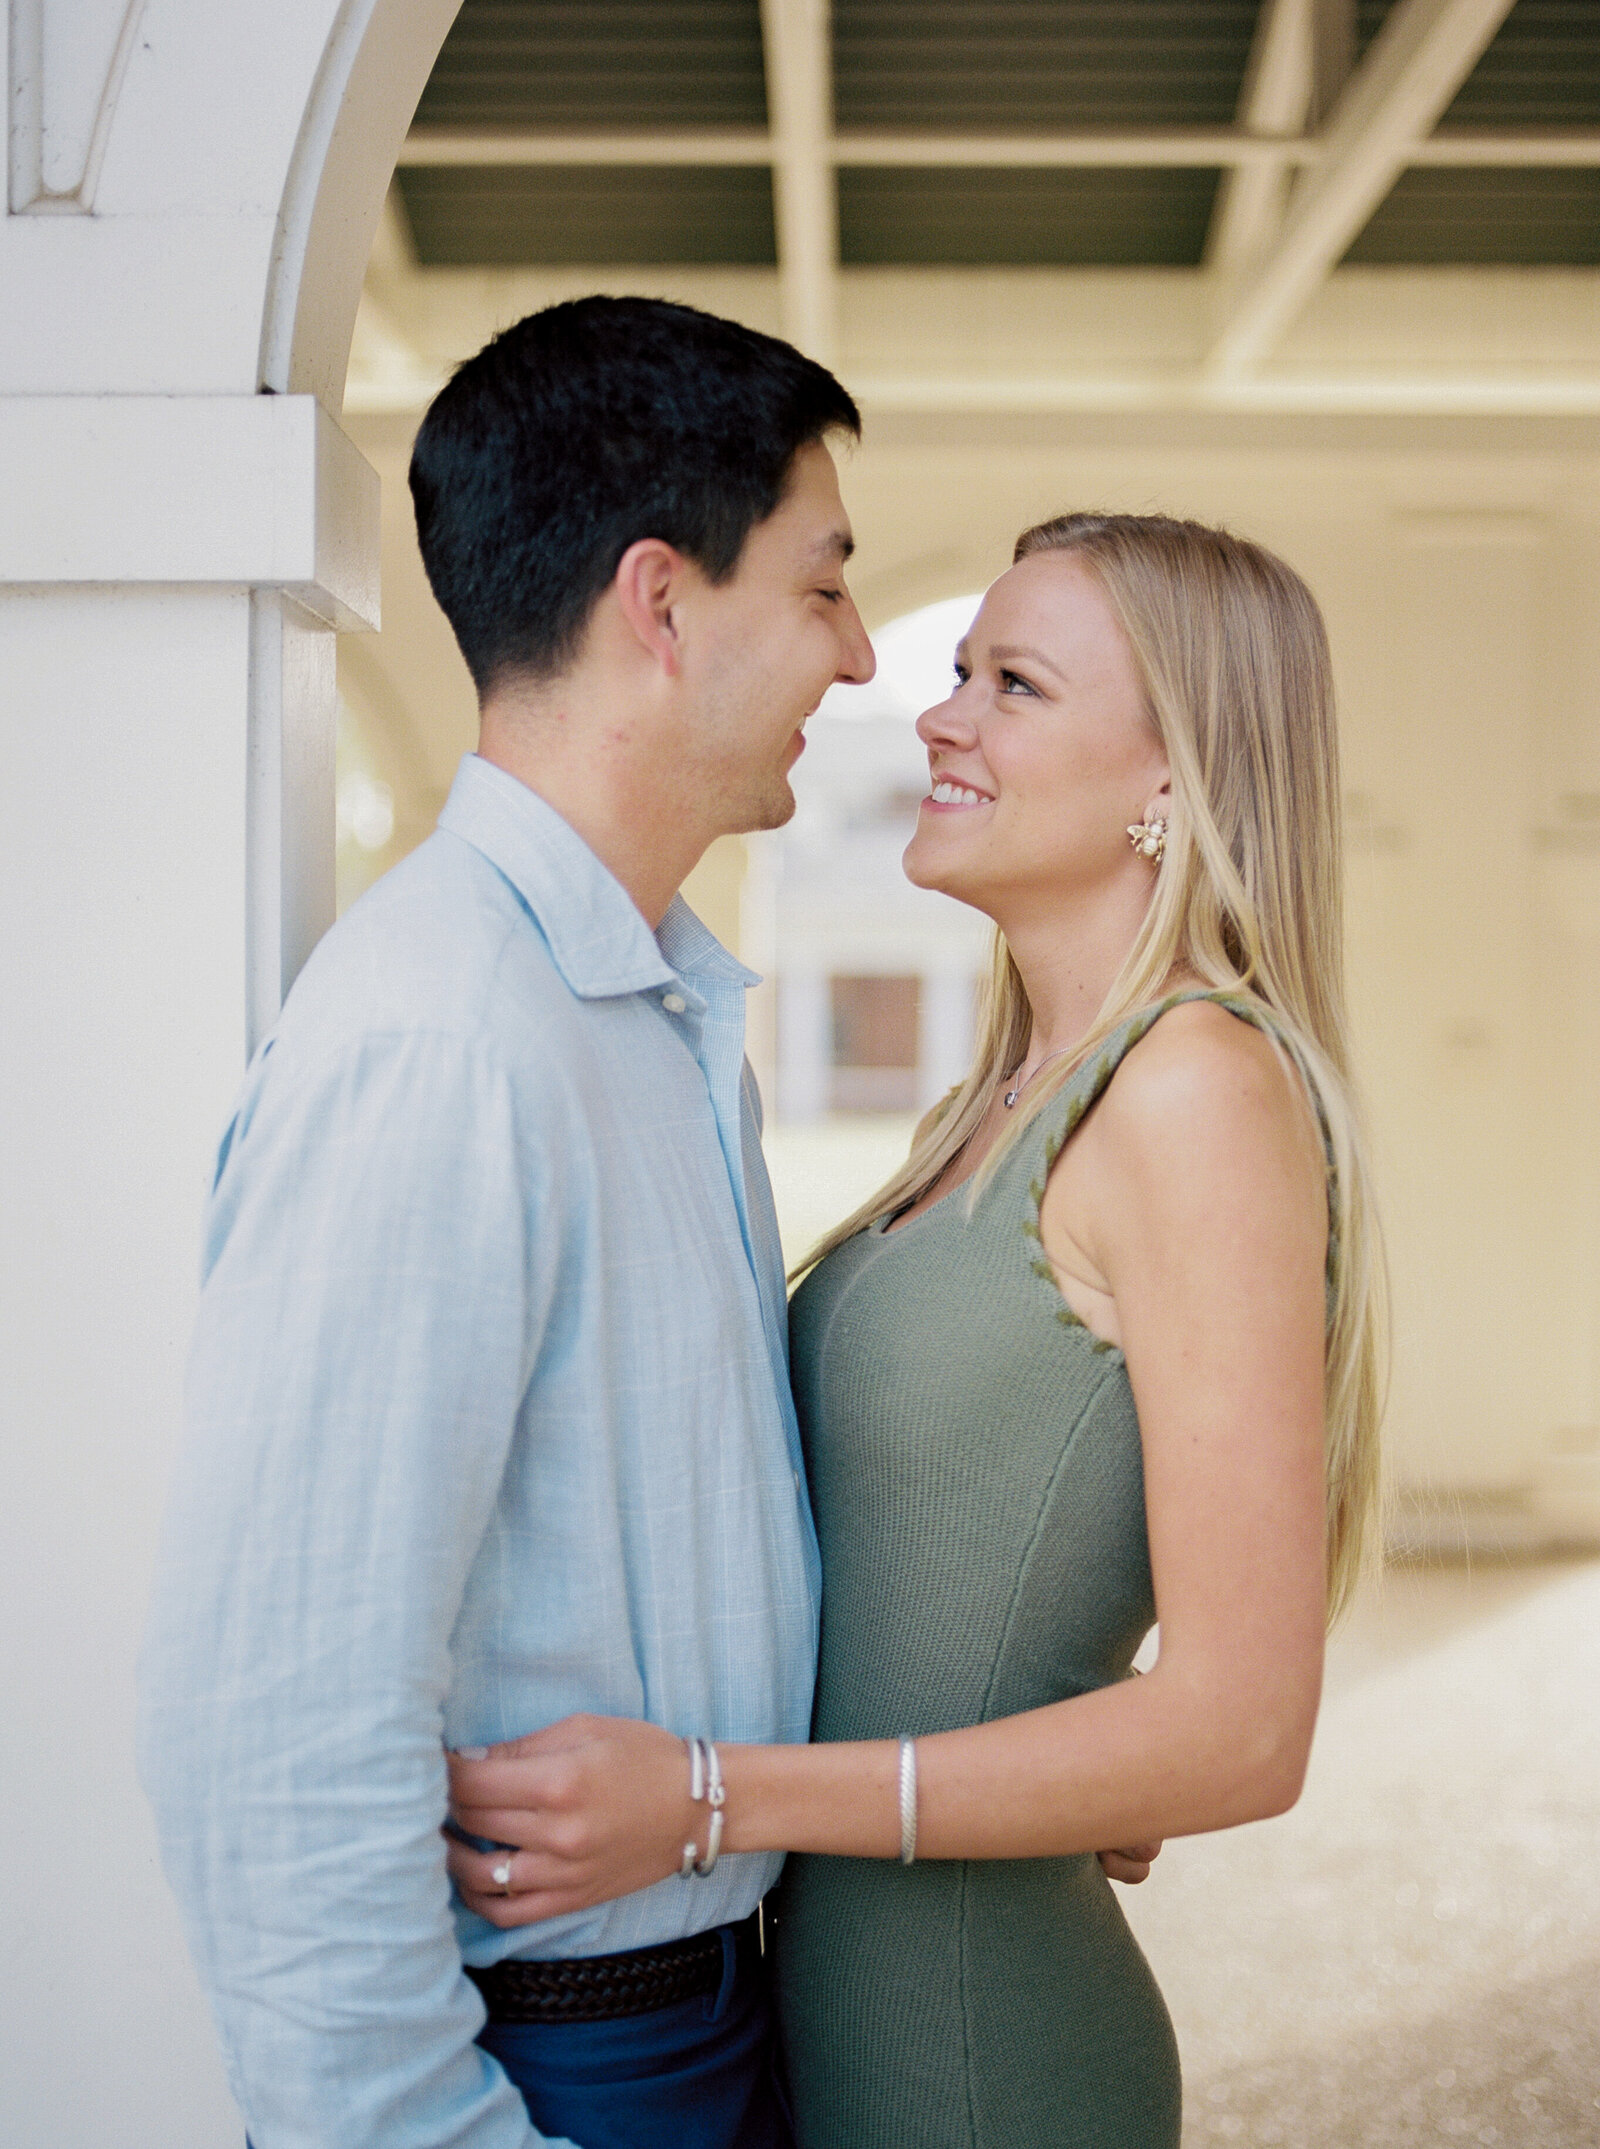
x=1197 y=1193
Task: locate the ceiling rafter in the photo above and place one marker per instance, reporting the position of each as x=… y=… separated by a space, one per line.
x=1176 y=146
x=797 y=42
x=1276 y=99
x=458 y=146
x=1335 y=42
x=1419 y=59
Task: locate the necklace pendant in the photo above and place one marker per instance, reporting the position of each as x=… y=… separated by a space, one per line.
x=1011 y=1096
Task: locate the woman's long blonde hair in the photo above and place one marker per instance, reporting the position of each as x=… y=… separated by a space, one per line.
x=1231 y=651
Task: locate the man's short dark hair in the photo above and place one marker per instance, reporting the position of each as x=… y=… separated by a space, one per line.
x=580 y=431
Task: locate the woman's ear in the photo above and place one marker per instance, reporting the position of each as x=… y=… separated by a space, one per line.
x=1158 y=807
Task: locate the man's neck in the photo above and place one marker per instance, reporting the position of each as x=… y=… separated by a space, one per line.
x=601 y=795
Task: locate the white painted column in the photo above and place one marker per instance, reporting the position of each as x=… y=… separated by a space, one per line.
x=122 y=888
x=946 y=1006
x=805 y=1055
x=170 y=574
x=1566 y=1465
x=191 y=192
x=1467 y=1100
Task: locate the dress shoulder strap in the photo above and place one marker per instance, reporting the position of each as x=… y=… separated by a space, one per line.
x=1061 y=1117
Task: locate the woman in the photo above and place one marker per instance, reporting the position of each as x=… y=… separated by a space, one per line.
x=1104 y=1349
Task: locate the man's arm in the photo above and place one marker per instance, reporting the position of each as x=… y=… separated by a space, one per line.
x=366 y=1334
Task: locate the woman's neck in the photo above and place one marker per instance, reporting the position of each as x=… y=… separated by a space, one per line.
x=1067 y=964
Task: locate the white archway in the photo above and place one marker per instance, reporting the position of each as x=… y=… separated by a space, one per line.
x=192 y=192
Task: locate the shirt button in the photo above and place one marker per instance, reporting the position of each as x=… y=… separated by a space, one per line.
x=674 y=1003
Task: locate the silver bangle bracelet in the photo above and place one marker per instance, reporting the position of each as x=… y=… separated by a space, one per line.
x=908 y=1801
x=705 y=1781
x=716 y=1797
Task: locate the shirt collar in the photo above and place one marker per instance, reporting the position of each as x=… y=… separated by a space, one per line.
x=694 y=951
x=596 y=933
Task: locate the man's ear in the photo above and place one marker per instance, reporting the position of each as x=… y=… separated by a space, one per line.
x=649 y=583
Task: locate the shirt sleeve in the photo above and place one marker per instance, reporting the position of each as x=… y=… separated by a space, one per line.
x=374 y=1295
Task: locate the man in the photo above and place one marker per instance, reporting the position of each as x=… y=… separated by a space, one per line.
x=488 y=1417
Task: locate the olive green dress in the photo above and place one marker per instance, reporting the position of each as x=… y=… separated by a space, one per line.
x=977 y=1477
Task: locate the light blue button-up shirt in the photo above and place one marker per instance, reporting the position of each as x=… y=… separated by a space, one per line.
x=488 y=1421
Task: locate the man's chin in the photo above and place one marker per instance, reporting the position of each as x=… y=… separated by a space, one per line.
x=773 y=809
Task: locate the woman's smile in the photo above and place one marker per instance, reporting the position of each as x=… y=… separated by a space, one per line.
x=949 y=796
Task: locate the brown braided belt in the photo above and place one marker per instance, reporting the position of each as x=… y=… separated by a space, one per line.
x=602 y=1988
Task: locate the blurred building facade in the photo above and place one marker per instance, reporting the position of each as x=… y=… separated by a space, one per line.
x=1327 y=271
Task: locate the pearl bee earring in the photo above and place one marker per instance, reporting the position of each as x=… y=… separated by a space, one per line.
x=1149 y=838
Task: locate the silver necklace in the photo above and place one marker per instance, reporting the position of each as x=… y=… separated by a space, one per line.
x=1015 y=1091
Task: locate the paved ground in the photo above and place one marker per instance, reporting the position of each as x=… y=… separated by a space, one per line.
x=1413 y=1955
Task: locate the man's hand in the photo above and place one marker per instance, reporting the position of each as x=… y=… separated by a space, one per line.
x=1132 y=1865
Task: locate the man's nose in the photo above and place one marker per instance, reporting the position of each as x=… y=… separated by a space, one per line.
x=857 y=658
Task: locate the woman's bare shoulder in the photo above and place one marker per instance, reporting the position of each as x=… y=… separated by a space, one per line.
x=1203 y=1087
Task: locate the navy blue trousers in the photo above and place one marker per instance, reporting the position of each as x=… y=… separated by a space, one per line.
x=701 y=2075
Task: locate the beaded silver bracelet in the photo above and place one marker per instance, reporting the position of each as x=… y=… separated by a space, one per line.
x=908 y=1801
x=705 y=1781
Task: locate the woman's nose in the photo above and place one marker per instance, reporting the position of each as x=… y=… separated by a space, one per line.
x=945 y=724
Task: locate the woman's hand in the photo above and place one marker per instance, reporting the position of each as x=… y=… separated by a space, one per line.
x=593 y=1807
x=598 y=1806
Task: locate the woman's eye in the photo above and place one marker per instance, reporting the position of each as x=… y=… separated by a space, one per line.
x=962 y=675
x=1014 y=683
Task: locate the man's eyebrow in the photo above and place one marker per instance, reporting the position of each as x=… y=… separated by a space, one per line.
x=837 y=545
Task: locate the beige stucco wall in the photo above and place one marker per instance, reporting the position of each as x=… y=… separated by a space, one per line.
x=1458 y=562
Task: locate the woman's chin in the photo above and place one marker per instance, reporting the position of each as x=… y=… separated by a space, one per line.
x=924 y=867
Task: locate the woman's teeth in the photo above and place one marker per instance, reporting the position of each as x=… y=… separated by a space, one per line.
x=955 y=794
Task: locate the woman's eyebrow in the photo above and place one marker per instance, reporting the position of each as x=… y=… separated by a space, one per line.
x=1002 y=651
